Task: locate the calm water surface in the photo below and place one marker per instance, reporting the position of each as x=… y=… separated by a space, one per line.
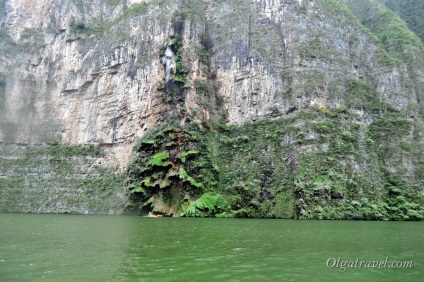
x=101 y=248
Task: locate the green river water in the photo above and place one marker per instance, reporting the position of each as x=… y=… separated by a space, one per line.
x=112 y=248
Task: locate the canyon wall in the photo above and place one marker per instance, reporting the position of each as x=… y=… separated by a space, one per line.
x=310 y=106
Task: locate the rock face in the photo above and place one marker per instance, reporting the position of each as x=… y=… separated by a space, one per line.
x=57 y=179
x=105 y=72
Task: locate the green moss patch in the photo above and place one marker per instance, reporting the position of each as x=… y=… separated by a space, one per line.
x=58 y=179
x=170 y=163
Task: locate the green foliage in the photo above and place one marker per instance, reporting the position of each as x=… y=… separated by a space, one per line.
x=171 y=162
x=261 y=176
x=392 y=31
x=401 y=204
x=181 y=70
x=209 y=204
x=57 y=180
x=158 y=159
x=335 y=6
x=390 y=125
x=184 y=155
x=202 y=87
x=359 y=94
x=307 y=166
x=388 y=29
x=411 y=12
x=312 y=50
x=342 y=109
x=253 y=178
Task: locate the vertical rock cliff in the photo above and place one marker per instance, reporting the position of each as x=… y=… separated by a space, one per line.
x=261 y=108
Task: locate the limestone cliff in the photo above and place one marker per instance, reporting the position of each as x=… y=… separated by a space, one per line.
x=287 y=108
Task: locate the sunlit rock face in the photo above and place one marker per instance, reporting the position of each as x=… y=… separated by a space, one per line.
x=104 y=72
